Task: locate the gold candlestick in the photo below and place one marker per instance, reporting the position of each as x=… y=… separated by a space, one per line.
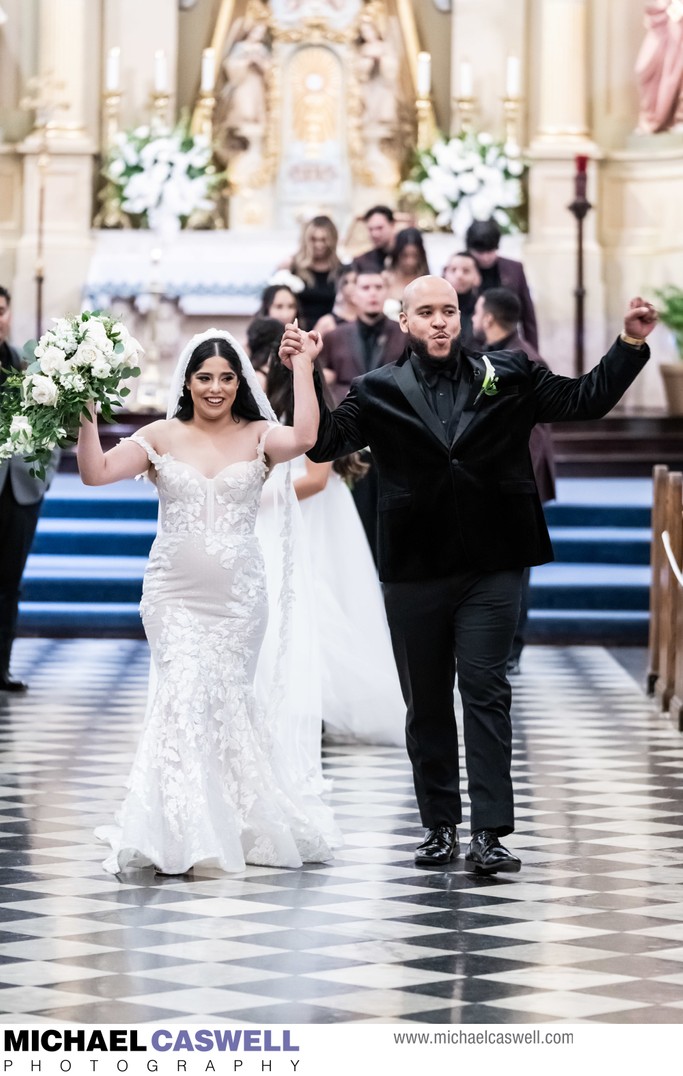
x=202 y=120
x=512 y=107
x=160 y=103
x=464 y=112
x=425 y=123
x=110 y=121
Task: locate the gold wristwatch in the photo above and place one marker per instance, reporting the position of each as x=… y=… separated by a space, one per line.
x=634 y=341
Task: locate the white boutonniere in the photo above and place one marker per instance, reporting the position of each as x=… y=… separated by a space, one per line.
x=490 y=384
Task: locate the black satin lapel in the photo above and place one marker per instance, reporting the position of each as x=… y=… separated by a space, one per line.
x=472 y=404
x=408 y=384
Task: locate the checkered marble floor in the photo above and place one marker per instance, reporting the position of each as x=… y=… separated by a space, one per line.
x=590 y=931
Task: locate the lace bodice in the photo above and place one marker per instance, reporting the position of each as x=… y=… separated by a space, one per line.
x=191 y=503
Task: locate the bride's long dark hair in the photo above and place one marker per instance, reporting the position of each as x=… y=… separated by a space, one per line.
x=244 y=405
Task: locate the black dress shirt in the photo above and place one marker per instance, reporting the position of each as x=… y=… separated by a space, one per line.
x=439 y=379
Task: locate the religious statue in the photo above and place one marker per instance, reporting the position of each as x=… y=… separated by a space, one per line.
x=377 y=67
x=243 y=102
x=659 y=68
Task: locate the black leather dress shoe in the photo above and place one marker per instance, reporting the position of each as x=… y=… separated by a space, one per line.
x=439 y=846
x=486 y=855
x=8 y=684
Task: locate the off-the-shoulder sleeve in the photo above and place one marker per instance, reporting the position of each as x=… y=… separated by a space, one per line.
x=261 y=447
x=153 y=456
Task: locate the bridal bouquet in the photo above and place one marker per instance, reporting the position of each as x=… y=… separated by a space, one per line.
x=161 y=178
x=82 y=358
x=470 y=177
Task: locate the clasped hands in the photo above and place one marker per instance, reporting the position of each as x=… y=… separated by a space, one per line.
x=297 y=343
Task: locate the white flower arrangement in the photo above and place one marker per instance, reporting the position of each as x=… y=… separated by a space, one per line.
x=82 y=358
x=470 y=177
x=160 y=178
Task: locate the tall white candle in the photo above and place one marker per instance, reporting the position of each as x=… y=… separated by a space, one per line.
x=512 y=77
x=160 y=72
x=208 y=71
x=113 y=70
x=424 y=74
x=466 y=84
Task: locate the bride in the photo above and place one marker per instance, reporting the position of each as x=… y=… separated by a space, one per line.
x=207 y=784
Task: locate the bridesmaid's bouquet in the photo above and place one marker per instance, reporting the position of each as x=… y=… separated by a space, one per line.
x=82 y=358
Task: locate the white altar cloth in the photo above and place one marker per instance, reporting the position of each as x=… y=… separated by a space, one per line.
x=207 y=272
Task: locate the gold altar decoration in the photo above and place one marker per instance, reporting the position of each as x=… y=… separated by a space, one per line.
x=254 y=49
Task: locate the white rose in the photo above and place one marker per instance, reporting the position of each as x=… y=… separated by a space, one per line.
x=44 y=391
x=72 y=381
x=52 y=360
x=87 y=354
x=21 y=426
x=96 y=334
x=101 y=369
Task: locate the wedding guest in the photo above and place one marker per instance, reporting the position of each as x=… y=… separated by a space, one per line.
x=370 y=341
x=279 y=301
x=482 y=240
x=344 y=309
x=496 y=316
x=407 y=261
x=21 y=498
x=462 y=273
x=460 y=519
x=317 y=264
x=381 y=226
x=263 y=340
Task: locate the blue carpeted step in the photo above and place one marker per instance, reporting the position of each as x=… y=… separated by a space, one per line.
x=85 y=571
x=588 y=626
x=601 y=545
x=68 y=498
x=83 y=579
x=95 y=537
x=590 y=586
x=81 y=618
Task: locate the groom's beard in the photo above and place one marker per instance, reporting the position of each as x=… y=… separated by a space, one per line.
x=422 y=351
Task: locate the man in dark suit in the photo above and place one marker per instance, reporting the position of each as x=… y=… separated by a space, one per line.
x=460 y=520
x=381 y=226
x=483 y=239
x=21 y=497
x=462 y=273
x=496 y=316
x=371 y=341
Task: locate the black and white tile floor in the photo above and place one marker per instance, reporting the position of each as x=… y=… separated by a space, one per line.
x=590 y=931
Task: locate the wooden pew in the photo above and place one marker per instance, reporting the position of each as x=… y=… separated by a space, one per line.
x=671 y=524
x=660 y=475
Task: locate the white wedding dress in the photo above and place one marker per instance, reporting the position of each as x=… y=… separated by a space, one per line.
x=207 y=785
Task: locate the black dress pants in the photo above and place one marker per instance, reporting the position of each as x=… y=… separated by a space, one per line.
x=464 y=622
x=18 y=524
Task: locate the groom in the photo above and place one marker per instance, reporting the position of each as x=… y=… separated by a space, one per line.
x=459 y=521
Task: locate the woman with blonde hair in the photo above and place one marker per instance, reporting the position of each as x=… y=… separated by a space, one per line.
x=317 y=263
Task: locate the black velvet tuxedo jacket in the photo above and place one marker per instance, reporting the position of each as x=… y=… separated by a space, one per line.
x=476 y=493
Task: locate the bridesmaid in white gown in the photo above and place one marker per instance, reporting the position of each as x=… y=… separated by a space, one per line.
x=206 y=785
x=361 y=696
